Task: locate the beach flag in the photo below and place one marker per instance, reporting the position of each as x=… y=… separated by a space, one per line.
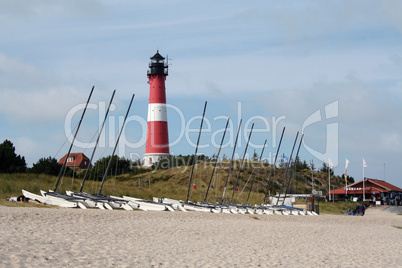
x=346 y=170
x=330 y=163
x=347 y=163
x=364 y=163
x=285 y=159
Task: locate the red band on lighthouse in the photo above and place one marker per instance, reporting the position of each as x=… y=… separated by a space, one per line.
x=157 y=145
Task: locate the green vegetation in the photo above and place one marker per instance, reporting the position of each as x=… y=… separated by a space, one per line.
x=336 y=208
x=46 y=166
x=173 y=183
x=168 y=178
x=10 y=162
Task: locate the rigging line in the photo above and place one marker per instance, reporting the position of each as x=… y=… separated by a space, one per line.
x=55 y=156
x=66 y=139
x=72 y=179
x=273 y=167
x=195 y=154
x=72 y=143
x=256 y=171
x=287 y=168
x=241 y=165
x=97 y=142
x=294 y=169
x=244 y=187
x=114 y=150
x=115 y=174
x=231 y=161
x=217 y=159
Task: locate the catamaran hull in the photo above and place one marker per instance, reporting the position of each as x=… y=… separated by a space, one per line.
x=148 y=205
x=80 y=202
x=50 y=201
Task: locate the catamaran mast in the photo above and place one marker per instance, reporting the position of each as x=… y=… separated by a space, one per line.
x=273 y=167
x=195 y=154
x=287 y=168
x=97 y=141
x=256 y=171
x=217 y=159
x=114 y=150
x=294 y=169
x=231 y=161
x=241 y=165
x=72 y=143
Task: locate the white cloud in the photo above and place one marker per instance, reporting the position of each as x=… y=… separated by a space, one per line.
x=29 y=94
x=39 y=9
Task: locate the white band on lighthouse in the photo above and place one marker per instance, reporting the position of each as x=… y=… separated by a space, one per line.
x=157 y=112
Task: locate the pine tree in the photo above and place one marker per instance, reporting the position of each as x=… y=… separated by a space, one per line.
x=10 y=162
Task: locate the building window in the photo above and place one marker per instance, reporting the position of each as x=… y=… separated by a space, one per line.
x=70 y=159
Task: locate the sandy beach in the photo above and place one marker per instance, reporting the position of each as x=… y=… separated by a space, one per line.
x=50 y=237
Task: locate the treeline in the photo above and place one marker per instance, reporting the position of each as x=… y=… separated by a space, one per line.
x=10 y=162
x=179 y=161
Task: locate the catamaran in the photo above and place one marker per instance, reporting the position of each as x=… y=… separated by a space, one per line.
x=52 y=197
x=109 y=202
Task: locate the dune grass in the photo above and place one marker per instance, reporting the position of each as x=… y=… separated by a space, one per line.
x=171 y=183
x=337 y=208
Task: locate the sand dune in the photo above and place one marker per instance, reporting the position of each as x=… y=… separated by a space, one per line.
x=40 y=237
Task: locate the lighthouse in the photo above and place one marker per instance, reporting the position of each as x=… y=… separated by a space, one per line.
x=157 y=145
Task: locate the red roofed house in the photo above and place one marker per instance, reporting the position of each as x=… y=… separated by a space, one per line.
x=378 y=189
x=77 y=160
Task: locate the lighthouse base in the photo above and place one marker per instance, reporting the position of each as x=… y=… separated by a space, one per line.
x=150 y=159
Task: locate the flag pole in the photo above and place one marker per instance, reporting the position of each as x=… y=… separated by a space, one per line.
x=363 y=183
x=346 y=176
x=329 y=180
x=346 y=182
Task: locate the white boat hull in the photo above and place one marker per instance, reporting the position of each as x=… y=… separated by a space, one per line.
x=50 y=201
x=145 y=205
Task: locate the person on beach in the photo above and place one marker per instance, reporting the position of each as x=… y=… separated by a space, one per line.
x=349 y=212
x=22 y=199
x=360 y=209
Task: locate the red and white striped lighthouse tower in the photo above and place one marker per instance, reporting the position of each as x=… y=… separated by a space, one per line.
x=157 y=145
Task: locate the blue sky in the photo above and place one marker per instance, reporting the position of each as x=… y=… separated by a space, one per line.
x=278 y=60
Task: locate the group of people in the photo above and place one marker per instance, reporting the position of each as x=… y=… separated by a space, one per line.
x=360 y=210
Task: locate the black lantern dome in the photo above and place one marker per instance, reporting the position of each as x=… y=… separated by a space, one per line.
x=158 y=65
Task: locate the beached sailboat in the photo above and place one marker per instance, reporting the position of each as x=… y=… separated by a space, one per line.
x=50 y=201
x=83 y=201
x=52 y=197
x=108 y=202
